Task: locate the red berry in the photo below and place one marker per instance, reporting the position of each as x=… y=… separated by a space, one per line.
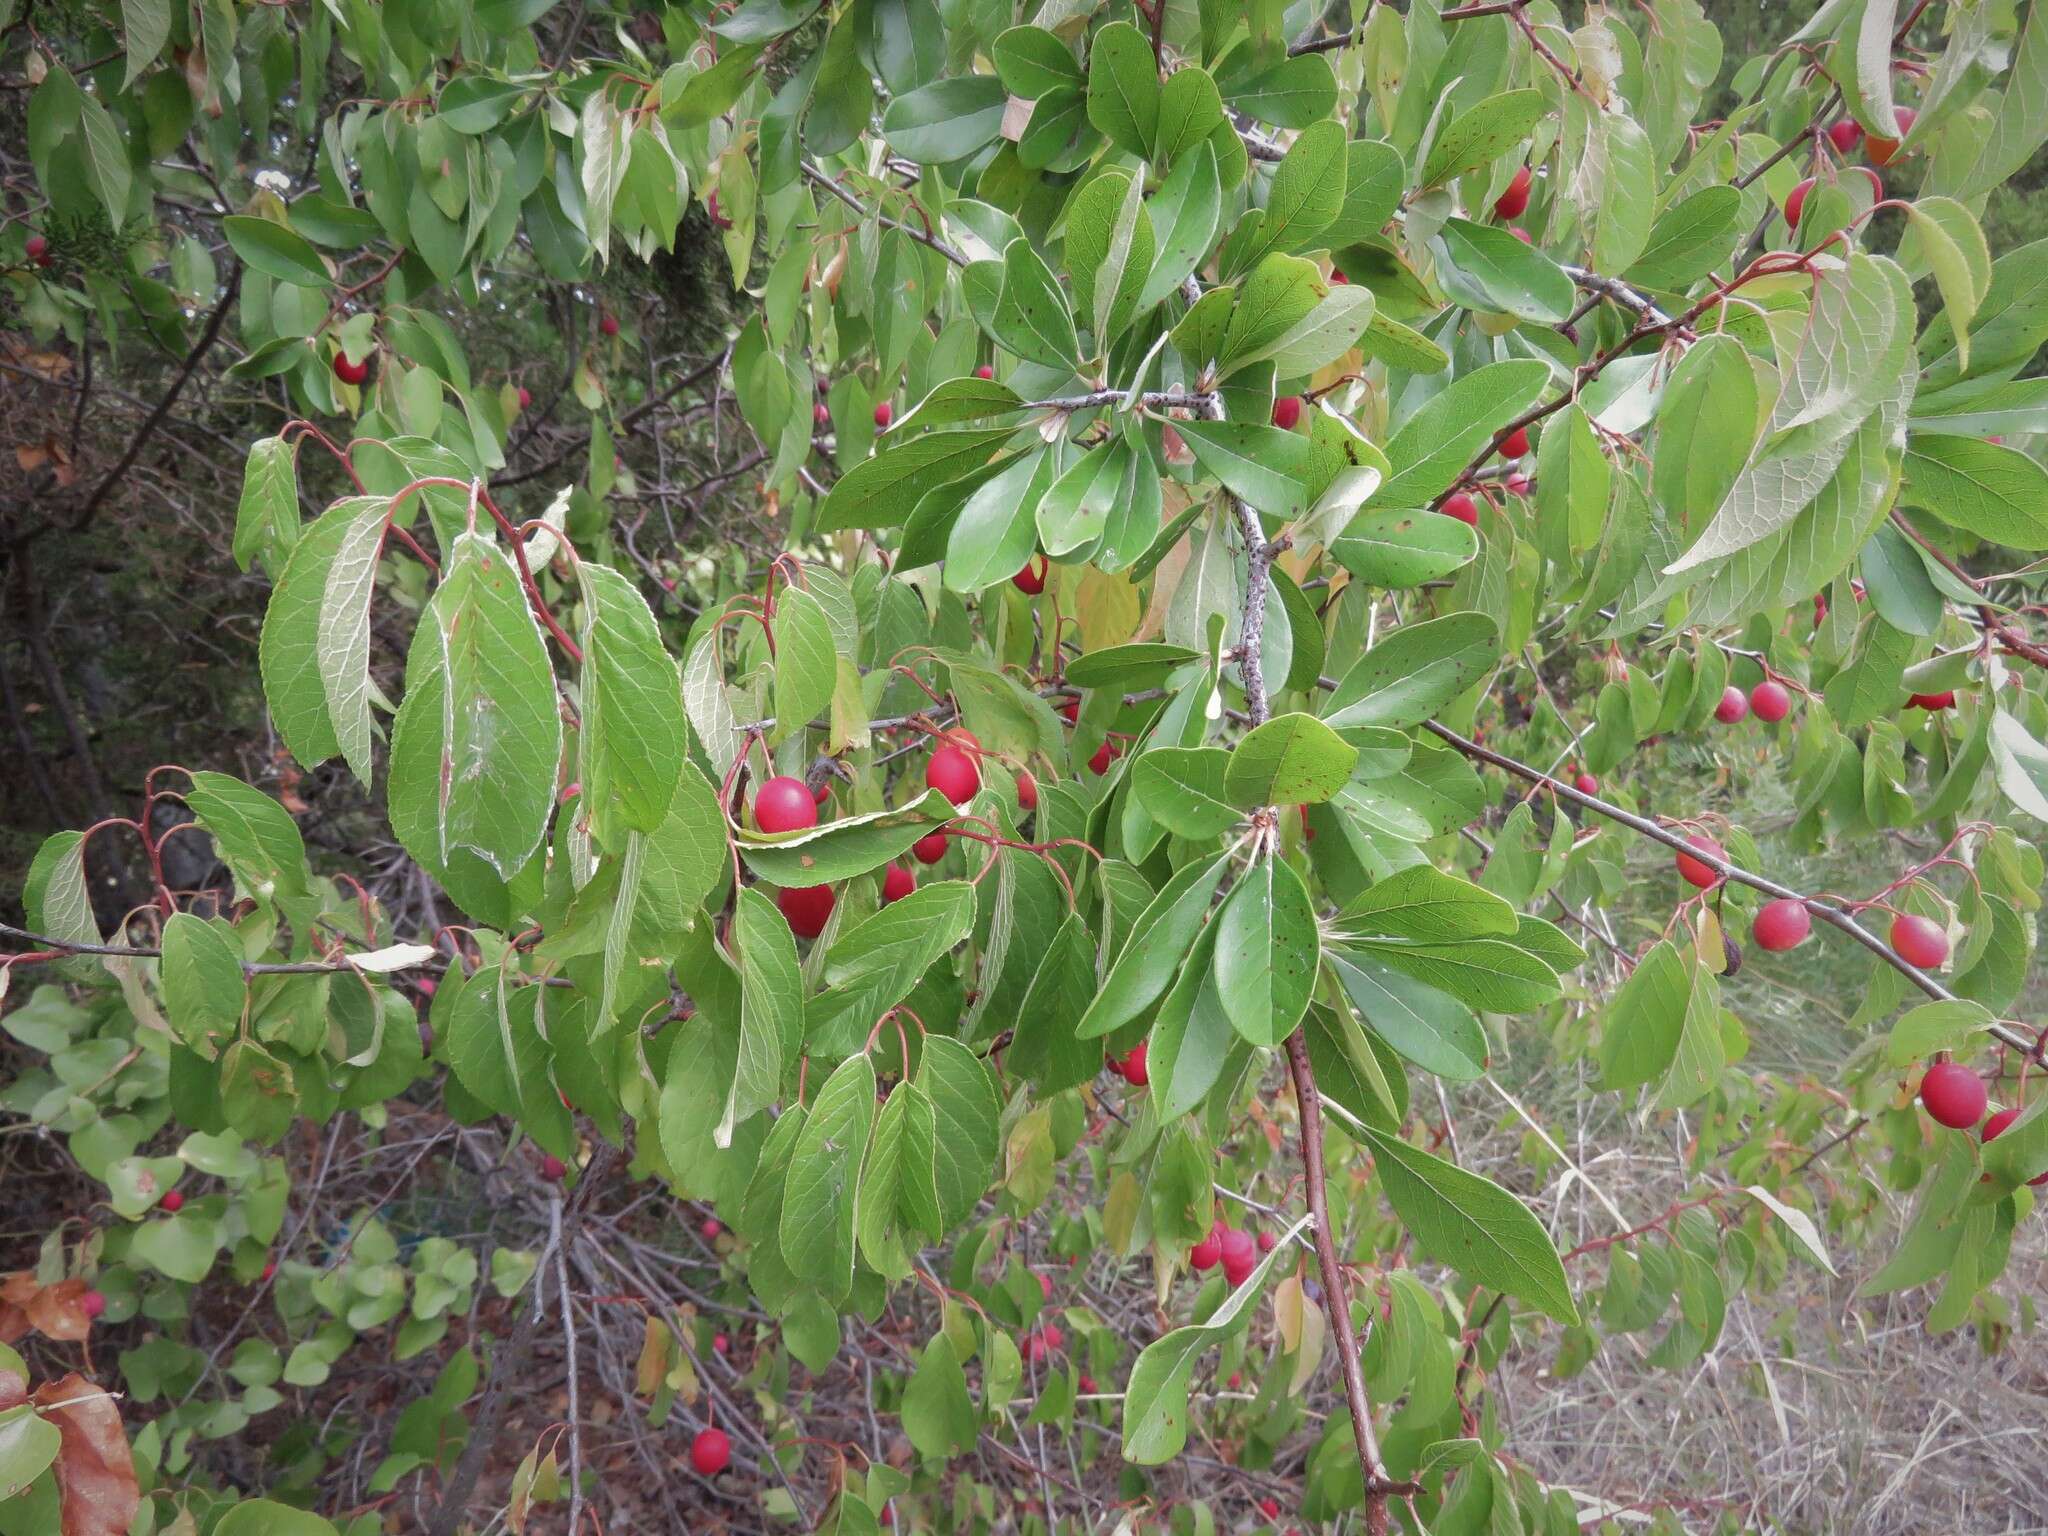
x=710 y=1452
x=1585 y=783
x=1268 y=1241
x=1702 y=875
x=1027 y=790
x=1796 y=203
x=1953 y=1095
x=427 y=986
x=1919 y=940
x=720 y=1344
x=1086 y=1383
x=525 y=397
x=1339 y=279
x=348 y=372
x=1071 y=711
x=807 y=907
x=1515 y=444
x=269 y=1271
x=1845 y=134
x=571 y=791
x=552 y=1167
x=1509 y=204
x=1206 y=1254
x=984 y=372
x=1820 y=609
x=173 y=1202
x=1734 y=705
x=930 y=848
x=1031 y=579
x=1240 y=1255
x=37 y=247
x=821 y=791
x=1943 y=700
x=953 y=774
x=1882 y=151
x=1517 y=484
x=1995 y=1126
x=1782 y=924
x=1770 y=701
x=1520 y=234
x=1045 y=1286
x=1135 y=1069
x=884 y=414
x=1236 y=1380
x=1270 y=1508
x=1099 y=763
x=1462 y=507
x=821 y=415
x=92 y=1303
x=897 y=883
x=784 y=804
x=1287 y=412
x=710 y=1227
x=609 y=324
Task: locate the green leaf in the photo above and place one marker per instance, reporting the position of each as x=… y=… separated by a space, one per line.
x=1432 y=1029
x=1307 y=191
x=1267 y=950
x=1425 y=904
x=1155 y=1422
x=1689 y=239
x=256 y=836
x=275 y=250
x=478 y=739
x=1447 y=433
x=1994 y=492
x=1123 y=88
x=1278 y=296
x=818 y=1207
x=1706 y=425
x=1031 y=315
x=947 y=120
x=265 y=1517
x=145 y=28
x=873 y=966
x=1182 y=788
x=963 y=1130
x=1259 y=463
x=1945 y=1026
x=938 y=1415
x=996 y=530
x=475 y=104
x=54 y=894
x=1482 y=134
x=880 y=492
x=343 y=634
x=259 y=1099
x=1945 y=238
x=1574 y=481
x=1294 y=93
x=1473 y=1225
x=106 y=158
x=1158 y=943
x=28 y=1444
x=805 y=666
x=205 y=993
x=634 y=734
x=267 y=517
x=1498 y=975
x=1140 y=664
x=757 y=21
x=1414 y=672
x=1640 y=1026
x=1032 y=62
x=1403 y=549
x=771 y=1008
x=1292 y=758
x=1185 y=212
x=1484 y=267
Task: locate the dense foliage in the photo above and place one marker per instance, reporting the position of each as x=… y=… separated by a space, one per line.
x=1230 y=491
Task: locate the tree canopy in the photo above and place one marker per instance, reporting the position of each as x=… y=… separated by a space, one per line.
x=970 y=657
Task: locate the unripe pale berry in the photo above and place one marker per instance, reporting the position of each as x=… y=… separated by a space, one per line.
x=1953 y=1095
x=897 y=883
x=784 y=804
x=1462 y=507
x=1919 y=940
x=1770 y=701
x=1705 y=876
x=1511 y=203
x=710 y=1452
x=953 y=774
x=807 y=908
x=1734 y=705
x=1781 y=924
